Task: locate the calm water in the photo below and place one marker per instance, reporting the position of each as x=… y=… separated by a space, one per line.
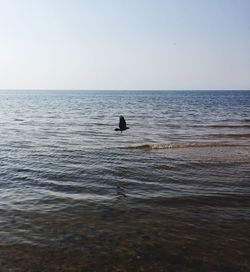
x=67 y=179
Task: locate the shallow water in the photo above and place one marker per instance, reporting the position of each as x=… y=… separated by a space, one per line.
x=69 y=182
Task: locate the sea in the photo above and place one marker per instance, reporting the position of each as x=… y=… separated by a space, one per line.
x=171 y=193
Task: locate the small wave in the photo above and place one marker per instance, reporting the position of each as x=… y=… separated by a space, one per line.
x=173 y=146
x=239 y=135
x=230 y=135
x=229 y=126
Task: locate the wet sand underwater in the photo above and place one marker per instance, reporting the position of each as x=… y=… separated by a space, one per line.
x=138 y=242
x=203 y=233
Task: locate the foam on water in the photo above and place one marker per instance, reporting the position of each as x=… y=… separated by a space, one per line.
x=181 y=145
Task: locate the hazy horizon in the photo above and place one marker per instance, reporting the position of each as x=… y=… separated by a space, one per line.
x=127 y=90
x=124 y=45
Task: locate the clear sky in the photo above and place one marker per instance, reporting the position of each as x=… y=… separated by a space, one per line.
x=124 y=44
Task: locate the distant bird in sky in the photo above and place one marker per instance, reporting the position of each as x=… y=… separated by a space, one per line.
x=122 y=124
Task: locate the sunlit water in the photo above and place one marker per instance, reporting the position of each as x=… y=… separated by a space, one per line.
x=62 y=165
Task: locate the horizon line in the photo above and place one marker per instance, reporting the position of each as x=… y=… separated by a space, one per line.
x=123 y=90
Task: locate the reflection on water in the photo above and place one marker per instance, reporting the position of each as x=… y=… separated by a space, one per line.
x=171 y=193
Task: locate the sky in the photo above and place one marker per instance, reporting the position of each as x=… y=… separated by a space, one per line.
x=125 y=44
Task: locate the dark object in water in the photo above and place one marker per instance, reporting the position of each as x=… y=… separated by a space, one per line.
x=122 y=124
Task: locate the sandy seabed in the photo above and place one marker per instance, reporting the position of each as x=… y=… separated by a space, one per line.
x=138 y=241
x=176 y=234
